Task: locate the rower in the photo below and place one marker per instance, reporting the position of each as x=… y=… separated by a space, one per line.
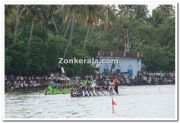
x=116 y=83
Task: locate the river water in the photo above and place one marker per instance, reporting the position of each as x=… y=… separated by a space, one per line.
x=152 y=101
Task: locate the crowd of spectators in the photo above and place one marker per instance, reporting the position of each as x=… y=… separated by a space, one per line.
x=155 y=78
x=17 y=82
x=141 y=78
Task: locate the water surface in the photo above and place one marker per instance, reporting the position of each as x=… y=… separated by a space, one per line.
x=152 y=101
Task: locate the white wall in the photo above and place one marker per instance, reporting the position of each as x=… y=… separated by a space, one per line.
x=123 y=64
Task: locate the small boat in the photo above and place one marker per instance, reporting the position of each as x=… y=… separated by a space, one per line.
x=59 y=85
x=55 y=90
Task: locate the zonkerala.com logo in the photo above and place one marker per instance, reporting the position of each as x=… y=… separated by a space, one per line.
x=86 y=61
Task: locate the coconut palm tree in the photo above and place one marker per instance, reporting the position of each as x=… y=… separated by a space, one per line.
x=72 y=15
x=19 y=10
x=140 y=12
x=167 y=10
x=35 y=13
x=91 y=16
x=157 y=18
x=55 y=10
x=107 y=21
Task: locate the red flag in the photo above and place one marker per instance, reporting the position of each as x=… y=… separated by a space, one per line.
x=114 y=102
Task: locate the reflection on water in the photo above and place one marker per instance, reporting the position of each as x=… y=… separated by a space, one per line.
x=133 y=102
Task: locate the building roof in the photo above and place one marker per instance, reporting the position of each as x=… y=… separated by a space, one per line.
x=118 y=53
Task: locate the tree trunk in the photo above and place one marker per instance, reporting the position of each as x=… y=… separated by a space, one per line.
x=72 y=30
x=67 y=28
x=32 y=26
x=103 y=38
x=69 y=43
x=91 y=35
x=55 y=25
x=18 y=15
x=87 y=36
x=16 y=24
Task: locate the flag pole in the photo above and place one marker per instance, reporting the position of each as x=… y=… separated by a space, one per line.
x=112 y=105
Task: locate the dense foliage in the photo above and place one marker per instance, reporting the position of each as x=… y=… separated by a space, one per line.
x=37 y=35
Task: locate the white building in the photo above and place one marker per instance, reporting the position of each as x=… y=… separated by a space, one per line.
x=127 y=61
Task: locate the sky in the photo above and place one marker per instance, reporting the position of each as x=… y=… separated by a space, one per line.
x=151 y=7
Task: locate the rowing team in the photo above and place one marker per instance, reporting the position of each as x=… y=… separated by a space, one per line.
x=92 y=92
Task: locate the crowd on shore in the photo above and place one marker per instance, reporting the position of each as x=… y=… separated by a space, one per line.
x=146 y=78
x=18 y=82
x=141 y=79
